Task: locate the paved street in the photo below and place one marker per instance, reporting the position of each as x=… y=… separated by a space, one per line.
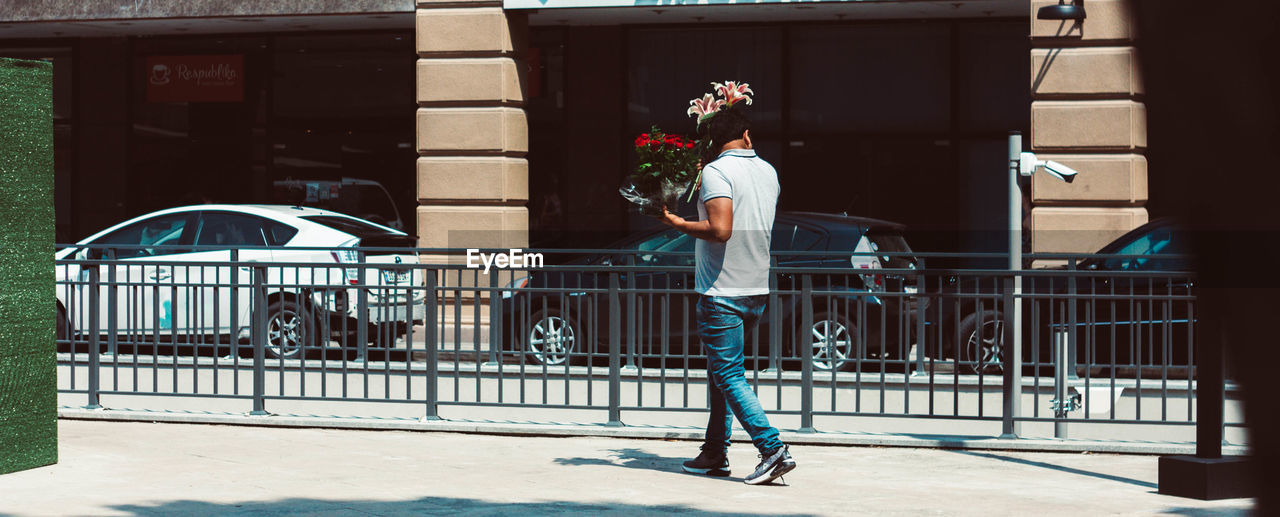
x=111 y=468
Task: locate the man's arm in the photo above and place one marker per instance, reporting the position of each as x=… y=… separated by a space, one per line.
x=716 y=228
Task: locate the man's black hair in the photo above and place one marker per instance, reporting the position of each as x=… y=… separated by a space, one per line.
x=725 y=126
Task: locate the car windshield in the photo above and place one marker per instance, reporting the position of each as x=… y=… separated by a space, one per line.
x=1159 y=241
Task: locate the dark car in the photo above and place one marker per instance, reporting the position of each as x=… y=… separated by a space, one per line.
x=1117 y=319
x=858 y=313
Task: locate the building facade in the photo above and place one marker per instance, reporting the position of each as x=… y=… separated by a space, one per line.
x=507 y=123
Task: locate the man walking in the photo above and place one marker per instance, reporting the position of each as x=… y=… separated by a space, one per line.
x=738 y=197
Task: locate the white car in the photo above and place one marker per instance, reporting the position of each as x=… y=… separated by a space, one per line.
x=174 y=276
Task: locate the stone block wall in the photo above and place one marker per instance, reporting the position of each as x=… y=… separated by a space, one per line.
x=1087 y=113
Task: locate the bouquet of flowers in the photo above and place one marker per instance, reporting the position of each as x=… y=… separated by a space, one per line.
x=669 y=163
x=667 y=166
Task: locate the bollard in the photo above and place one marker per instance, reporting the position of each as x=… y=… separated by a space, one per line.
x=1061 y=403
x=258 y=338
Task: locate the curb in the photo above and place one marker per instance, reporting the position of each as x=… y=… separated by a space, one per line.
x=642 y=432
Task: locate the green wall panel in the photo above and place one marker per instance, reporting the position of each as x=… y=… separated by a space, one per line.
x=28 y=379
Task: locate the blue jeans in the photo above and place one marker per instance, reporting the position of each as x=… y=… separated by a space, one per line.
x=722 y=325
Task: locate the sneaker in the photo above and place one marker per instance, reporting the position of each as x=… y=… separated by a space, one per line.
x=710 y=462
x=773 y=465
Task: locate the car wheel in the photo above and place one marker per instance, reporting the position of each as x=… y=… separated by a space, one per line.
x=980 y=348
x=551 y=339
x=289 y=331
x=834 y=340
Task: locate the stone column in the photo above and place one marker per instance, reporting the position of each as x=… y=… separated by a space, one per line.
x=1087 y=112
x=472 y=134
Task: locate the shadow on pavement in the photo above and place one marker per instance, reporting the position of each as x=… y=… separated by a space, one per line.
x=423 y=506
x=1208 y=512
x=638 y=459
x=1109 y=477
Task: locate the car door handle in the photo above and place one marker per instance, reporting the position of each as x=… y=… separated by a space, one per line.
x=160 y=274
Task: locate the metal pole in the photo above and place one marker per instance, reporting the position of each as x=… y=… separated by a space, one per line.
x=94 y=329
x=615 y=353
x=806 y=355
x=259 y=340
x=433 y=367
x=1012 y=349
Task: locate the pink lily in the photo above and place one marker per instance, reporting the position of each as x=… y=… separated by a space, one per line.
x=733 y=91
x=703 y=107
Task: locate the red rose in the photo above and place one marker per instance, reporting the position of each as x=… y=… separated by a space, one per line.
x=688 y=145
x=642 y=141
x=655 y=144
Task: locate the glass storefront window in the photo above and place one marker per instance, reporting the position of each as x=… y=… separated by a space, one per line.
x=876 y=78
x=668 y=67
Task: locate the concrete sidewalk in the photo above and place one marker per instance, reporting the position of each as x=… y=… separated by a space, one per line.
x=118 y=468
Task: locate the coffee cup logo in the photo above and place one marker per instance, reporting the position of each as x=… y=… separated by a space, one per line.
x=159 y=74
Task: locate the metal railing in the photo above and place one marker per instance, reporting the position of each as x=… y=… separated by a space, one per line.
x=839 y=348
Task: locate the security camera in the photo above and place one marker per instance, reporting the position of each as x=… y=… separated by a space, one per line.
x=1028 y=163
x=1060 y=171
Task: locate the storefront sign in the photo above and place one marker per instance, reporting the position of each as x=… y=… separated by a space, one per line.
x=205 y=78
x=552 y=4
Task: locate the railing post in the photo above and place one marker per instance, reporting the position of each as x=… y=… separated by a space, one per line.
x=362 y=308
x=775 y=320
x=1011 y=349
x=113 y=304
x=95 y=287
x=806 y=354
x=495 y=319
x=258 y=337
x=433 y=366
x=234 y=323
x=920 y=301
x=632 y=306
x=615 y=351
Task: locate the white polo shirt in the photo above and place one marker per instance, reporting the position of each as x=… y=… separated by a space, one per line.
x=739 y=267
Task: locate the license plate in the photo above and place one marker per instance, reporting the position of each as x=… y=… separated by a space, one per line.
x=395 y=277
